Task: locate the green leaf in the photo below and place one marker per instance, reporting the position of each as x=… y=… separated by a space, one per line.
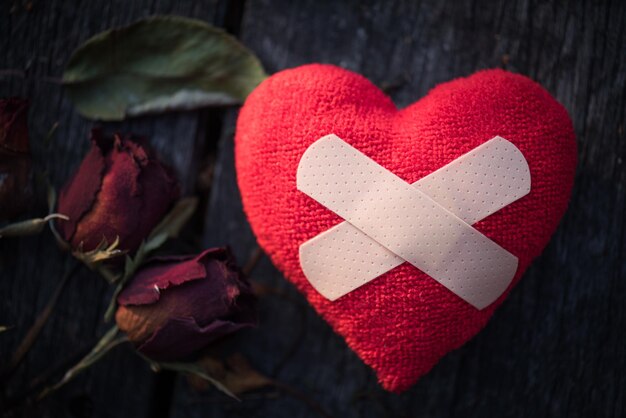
x=159 y=64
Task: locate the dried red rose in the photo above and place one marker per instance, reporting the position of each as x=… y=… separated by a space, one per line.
x=119 y=190
x=175 y=306
x=15 y=161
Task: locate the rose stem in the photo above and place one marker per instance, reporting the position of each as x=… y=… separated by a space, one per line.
x=31 y=336
x=25 y=397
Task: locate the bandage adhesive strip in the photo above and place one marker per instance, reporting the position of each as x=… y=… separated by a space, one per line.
x=427 y=224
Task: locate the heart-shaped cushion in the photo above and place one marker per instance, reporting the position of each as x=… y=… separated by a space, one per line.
x=402 y=322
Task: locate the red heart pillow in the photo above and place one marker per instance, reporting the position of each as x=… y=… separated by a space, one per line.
x=403 y=322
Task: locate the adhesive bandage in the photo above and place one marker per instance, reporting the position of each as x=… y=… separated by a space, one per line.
x=428 y=223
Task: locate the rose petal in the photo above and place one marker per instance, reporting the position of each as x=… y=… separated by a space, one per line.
x=162 y=272
x=79 y=194
x=176 y=305
x=181 y=337
x=116 y=210
x=159 y=275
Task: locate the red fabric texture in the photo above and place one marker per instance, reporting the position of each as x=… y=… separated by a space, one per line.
x=403 y=322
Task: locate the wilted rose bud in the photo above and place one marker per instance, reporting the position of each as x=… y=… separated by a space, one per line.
x=15 y=161
x=119 y=190
x=175 y=306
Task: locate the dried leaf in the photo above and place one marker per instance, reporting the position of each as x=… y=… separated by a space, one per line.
x=103 y=252
x=236 y=374
x=52 y=201
x=109 y=341
x=192 y=369
x=239 y=377
x=51 y=194
x=29 y=227
x=159 y=64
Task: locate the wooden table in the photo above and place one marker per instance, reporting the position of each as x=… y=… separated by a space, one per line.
x=557 y=347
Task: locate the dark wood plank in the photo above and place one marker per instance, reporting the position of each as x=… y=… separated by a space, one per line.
x=556 y=347
x=36 y=40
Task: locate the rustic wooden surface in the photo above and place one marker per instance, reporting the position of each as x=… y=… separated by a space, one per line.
x=557 y=347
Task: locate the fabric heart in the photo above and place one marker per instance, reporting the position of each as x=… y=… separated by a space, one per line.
x=403 y=322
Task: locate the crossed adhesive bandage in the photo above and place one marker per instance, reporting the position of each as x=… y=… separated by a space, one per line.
x=428 y=223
